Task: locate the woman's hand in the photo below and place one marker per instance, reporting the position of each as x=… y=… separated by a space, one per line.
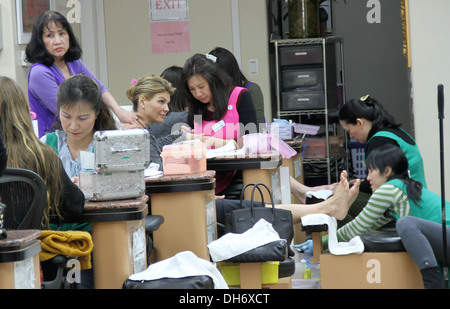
x=134 y=120
x=131 y=119
x=76 y=180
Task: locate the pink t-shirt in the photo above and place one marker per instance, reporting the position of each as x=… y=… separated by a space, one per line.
x=226 y=128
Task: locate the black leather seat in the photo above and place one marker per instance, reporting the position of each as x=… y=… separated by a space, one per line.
x=286 y=268
x=382 y=242
x=186 y=283
x=153 y=222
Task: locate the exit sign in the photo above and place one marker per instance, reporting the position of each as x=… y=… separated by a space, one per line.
x=169 y=10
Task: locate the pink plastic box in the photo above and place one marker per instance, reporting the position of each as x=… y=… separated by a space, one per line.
x=184 y=158
x=257 y=143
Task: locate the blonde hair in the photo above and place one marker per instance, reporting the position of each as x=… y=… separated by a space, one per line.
x=24 y=149
x=148 y=86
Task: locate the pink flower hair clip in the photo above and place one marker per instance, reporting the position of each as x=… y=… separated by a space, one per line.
x=32 y=115
x=134 y=82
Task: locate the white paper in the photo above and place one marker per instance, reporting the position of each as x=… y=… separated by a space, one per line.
x=139 y=250
x=87 y=160
x=152 y=171
x=285 y=185
x=24 y=274
x=228 y=150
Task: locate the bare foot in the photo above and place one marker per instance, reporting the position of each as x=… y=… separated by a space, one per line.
x=339 y=203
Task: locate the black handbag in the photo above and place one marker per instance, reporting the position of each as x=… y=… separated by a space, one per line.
x=240 y=220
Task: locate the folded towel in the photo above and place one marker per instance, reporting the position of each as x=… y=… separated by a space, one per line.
x=231 y=244
x=355 y=245
x=70 y=244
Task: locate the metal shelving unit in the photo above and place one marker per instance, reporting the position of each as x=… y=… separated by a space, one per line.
x=329 y=102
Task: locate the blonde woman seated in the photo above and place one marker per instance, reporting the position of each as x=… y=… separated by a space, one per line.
x=150 y=96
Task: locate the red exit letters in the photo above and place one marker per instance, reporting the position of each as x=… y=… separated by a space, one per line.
x=168 y=4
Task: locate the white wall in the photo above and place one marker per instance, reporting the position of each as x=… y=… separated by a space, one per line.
x=128 y=40
x=7 y=54
x=10 y=62
x=430 y=66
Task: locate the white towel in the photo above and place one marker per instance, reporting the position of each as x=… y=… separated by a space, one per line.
x=231 y=244
x=355 y=245
x=181 y=265
x=320 y=194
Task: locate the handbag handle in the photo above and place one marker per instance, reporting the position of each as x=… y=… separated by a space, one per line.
x=242 y=194
x=256 y=186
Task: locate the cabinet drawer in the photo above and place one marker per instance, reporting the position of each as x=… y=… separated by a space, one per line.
x=298 y=55
x=302 y=100
x=294 y=79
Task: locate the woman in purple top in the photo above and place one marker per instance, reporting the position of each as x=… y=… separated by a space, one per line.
x=55 y=54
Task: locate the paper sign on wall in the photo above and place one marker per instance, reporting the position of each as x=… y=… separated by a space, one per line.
x=171 y=37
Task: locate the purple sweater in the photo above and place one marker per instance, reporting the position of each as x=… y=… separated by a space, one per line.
x=43 y=83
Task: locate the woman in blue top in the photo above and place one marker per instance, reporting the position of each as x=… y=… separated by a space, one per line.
x=81 y=112
x=55 y=54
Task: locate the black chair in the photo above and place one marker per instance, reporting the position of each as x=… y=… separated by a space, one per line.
x=25 y=195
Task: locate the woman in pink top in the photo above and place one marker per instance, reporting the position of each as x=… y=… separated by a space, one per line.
x=217 y=109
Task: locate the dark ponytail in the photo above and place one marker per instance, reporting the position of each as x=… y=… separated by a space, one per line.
x=368 y=108
x=392 y=156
